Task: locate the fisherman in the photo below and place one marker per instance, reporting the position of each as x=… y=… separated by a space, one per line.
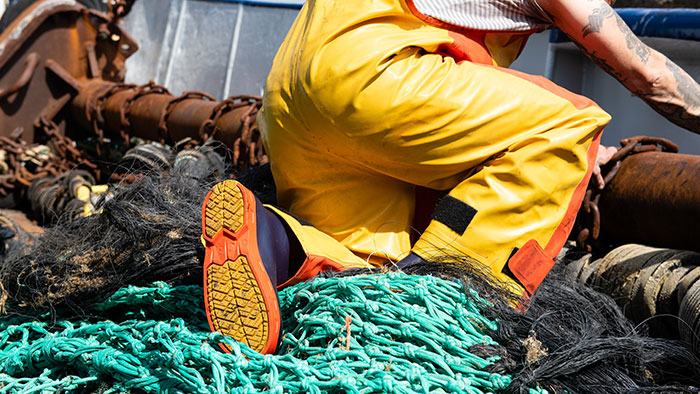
x=370 y=101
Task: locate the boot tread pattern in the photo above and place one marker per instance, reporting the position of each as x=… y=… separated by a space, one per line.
x=236 y=304
x=224 y=209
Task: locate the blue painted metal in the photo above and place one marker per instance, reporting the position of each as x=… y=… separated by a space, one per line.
x=679 y=23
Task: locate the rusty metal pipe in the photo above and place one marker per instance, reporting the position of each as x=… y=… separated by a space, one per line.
x=185 y=118
x=653 y=200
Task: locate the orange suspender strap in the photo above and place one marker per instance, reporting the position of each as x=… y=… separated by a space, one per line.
x=468 y=44
x=530 y=264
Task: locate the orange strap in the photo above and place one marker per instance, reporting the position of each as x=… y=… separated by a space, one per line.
x=530 y=265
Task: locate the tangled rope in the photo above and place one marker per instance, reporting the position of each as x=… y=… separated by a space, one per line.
x=390 y=333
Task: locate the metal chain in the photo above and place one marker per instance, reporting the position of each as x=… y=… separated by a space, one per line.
x=94 y=110
x=25 y=163
x=251 y=138
x=17 y=154
x=589 y=216
x=247 y=149
x=209 y=128
x=249 y=143
x=65 y=147
x=165 y=114
x=125 y=110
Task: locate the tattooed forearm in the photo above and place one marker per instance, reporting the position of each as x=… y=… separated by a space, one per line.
x=595 y=24
x=595 y=20
x=675 y=114
x=633 y=43
x=659 y=82
x=687 y=88
x=681 y=107
x=602 y=63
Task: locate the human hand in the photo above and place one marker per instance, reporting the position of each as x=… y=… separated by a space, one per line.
x=605 y=153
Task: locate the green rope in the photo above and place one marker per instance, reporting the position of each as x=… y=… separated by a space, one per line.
x=407 y=334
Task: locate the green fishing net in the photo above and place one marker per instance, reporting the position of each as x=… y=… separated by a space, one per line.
x=391 y=333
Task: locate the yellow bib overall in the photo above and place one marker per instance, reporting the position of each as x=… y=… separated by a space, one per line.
x=368 y=100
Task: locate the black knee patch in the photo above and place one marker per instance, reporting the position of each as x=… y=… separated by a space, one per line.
x=454 y=213
x=506 y=270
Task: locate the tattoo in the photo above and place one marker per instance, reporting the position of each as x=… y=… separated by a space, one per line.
x=602 y=63
x=595 y=20
x=687 y=87
x=595 y=23
x=679 y=106
x=633 y=43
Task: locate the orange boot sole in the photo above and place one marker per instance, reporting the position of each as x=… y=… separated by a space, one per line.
x=240 y=299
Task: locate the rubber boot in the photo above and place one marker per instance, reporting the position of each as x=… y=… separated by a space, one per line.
x=408 y=261
x=247 y=256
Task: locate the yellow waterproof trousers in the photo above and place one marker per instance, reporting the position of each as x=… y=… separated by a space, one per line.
x=362 y=106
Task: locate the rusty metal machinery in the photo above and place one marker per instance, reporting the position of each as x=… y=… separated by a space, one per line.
x=651 y=196
x=47 y=42
x=61 y=81
x=654 y=200
x=151 y=112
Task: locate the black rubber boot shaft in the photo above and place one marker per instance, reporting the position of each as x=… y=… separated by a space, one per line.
x=273 y=244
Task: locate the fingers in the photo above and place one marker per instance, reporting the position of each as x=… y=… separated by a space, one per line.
x=605 y=153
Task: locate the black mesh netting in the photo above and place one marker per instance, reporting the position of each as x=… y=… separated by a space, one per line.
x=570 y=338
x=148 y=230
x=578 y=339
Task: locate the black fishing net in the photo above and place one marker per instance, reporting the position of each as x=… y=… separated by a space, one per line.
x=147 y=230
x=570 y=338
x=588 y=345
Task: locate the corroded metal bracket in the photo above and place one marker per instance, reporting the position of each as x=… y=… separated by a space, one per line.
x=54 y=35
